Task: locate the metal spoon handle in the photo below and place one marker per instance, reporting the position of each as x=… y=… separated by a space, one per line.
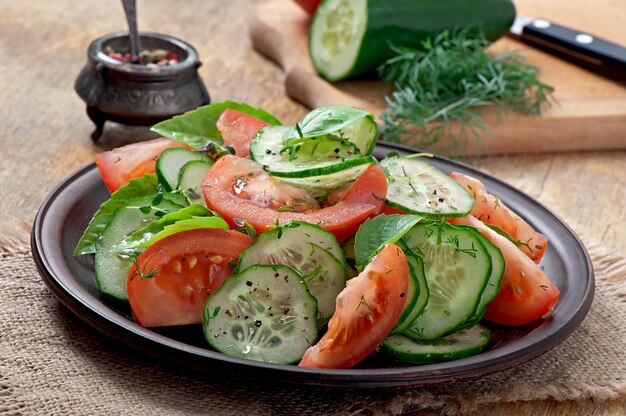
x=130 y=8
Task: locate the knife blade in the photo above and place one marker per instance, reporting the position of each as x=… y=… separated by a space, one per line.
x=589 y=51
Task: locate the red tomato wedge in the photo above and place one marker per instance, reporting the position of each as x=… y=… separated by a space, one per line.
x=239 y=188
x=238 y=130
x=120 y=165
x=526 y=294
x=489 y=209
x=171 y=280
x=369 y=188
x=366 y=311
x=387 y=210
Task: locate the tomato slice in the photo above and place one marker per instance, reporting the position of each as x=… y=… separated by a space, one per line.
x=369 y=188
x=170 y=281
x=489 y=209
x=239 y=188
x=120 y=165
x=238 y=130
x=309 y=6
x=366 y=311
x=526 y=294
x=387 y=210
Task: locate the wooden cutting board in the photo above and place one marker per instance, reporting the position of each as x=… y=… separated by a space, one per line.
x=589 y=112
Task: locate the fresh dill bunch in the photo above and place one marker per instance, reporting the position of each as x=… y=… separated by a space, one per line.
x=441 y=88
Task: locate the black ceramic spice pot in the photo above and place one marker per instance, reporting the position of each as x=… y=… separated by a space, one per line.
x=138 y=94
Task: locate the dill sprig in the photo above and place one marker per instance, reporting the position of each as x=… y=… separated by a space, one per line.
x=441 y=88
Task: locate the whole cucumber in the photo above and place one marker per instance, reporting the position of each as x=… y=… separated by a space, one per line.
x=352 y=37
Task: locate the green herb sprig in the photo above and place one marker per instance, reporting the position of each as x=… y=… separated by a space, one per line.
x=440 y=90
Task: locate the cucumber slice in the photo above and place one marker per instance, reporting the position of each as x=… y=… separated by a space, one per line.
x=320 y=185
x=461 y=344
x=416 y=187
x=457 y=267
x=311 y=251
x=170 y=162
x=417 y=293
x=265 y=313
x=353 y=37
x=303 y=157
x=493 y=285
x=111 y=266
x=335 y=37
x=190 y=178
x=364 y=134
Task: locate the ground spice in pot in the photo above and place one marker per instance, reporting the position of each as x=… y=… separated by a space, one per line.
x=150 y=58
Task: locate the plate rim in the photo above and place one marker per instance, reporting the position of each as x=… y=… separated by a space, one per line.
x=160 y=346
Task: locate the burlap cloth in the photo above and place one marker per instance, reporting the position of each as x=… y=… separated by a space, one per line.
x=53 y=363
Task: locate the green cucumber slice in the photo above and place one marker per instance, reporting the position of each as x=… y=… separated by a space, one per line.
x=311 y=251
x=171 y=161
x=190 y=178
x=417 y=187
x=417 y=293
x=493 y=284
x=457 y=267
x=353 y=37
x=461 y=344
x=304 y=157
x=111 y=266
x=265 y=313
x=320 y=185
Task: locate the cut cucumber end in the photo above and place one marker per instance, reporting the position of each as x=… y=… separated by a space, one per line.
x=335 y=37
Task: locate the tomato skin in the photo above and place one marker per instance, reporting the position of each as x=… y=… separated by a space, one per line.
x=188 y=267
x=526 y=294
x=387 y=210
x=238 y=130
x=342 y=219
x=369 y=188
x=120 y=165
x=309 y=6
x=491 y=210
x=366 y=311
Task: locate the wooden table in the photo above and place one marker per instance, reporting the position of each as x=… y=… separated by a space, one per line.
x=44 y=130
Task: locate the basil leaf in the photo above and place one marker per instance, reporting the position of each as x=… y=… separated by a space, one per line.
x=198 y=127
x=376 y=232
x=135 y=187
x=336 y=123
x=150 y=237
x=329 y=119
x=144 y=234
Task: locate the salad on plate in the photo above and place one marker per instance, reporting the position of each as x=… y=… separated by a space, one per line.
x=294 y=245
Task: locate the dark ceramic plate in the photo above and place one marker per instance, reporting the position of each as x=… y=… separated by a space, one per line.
x=68 y=209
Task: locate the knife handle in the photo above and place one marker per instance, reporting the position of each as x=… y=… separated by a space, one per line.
x=592 y=52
